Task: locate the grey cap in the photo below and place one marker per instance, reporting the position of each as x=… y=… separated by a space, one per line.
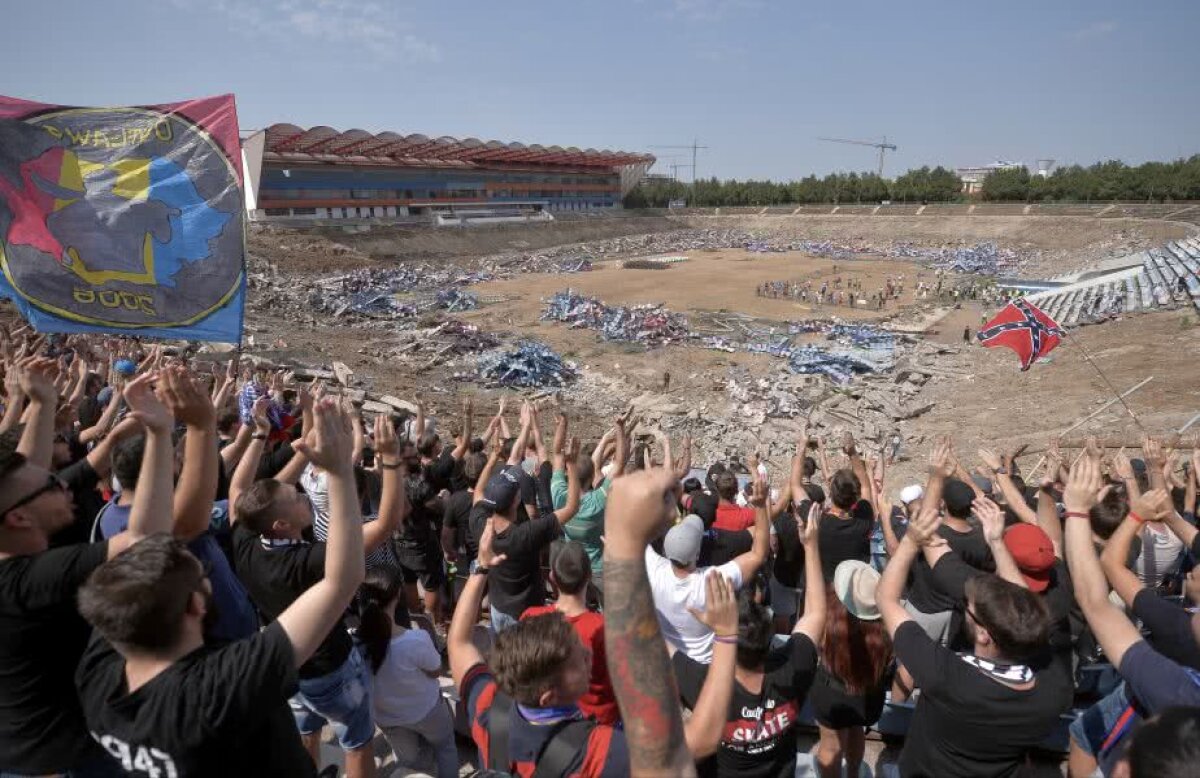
x=682 y=543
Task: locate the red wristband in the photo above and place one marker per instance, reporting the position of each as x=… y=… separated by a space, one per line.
x=1136 y=518
x=1076 y=515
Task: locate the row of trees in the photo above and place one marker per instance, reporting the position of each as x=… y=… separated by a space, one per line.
x=1152 y=181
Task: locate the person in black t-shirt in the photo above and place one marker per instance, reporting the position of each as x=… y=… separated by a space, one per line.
x=278 y=566
x=516 y=583
x=459 y=543
x=932 y=608
x=441 y=464
x=759 y=735
x=846 y=529
x=42 y=728
x=980 y=712
x=162 y=702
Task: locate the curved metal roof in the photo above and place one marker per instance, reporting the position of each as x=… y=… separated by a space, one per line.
x=359 y=146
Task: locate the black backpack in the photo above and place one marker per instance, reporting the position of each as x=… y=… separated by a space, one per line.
x=567 y=739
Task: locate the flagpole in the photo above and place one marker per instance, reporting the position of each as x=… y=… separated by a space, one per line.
x=1120 y=398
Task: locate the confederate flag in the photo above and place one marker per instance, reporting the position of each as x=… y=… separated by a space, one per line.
x=1023 y=328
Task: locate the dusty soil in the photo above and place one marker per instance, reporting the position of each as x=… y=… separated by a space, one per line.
x=1044 y=232
x=993 y=402
x=715 y=281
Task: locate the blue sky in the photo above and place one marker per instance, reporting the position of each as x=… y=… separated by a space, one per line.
x=955 y=83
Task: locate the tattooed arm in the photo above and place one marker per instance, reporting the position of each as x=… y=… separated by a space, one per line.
x=639 y=506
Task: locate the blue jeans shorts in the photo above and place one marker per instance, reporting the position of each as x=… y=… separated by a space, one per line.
x=342 y=699
x=1090 y=729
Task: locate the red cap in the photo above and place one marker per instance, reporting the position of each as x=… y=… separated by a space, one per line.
x=1033 y=552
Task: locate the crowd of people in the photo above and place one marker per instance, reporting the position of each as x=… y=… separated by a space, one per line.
x=840 y=291
x=206 y=568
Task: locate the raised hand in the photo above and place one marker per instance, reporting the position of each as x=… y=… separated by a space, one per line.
x=1122 y=466
x=573 y=449
x=184 y=399
x=262 y=424
x=1152 y=452
x=810 y=529
x=145 y=406
x=720 y=612
x=1083 y=485
x=1154 y=505
x=990 y=459
x=758 y=490
x=37 y=376
x=991 y=519
x=1091 y=447
x=387 y=445
x=941 y=458
x=640 y=505
x=330 y=444
x=923 y=529
x=486 y=555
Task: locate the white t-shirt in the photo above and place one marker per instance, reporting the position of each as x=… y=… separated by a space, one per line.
x=316 y=486
x=1167 y=553
x=401 y=692
x=672 y=598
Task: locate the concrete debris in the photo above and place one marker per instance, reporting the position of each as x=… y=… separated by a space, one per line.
x=527 y=363
x=985 y=258
x=652 y=325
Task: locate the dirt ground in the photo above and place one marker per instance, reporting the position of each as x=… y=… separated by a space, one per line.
x=999 y=406
x=716 y=281
x=991 y=401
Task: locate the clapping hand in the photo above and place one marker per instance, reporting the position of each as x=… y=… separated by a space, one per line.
x=1083 y=485
x=145 y=406
x=1154 y=505
x=184 y=399
x=923 y=529
x=330 y=444
x=720 y=612
x=991 y=518
x=810 y=529
x=486 y=555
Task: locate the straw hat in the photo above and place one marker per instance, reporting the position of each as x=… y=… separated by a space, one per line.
x=854 y=584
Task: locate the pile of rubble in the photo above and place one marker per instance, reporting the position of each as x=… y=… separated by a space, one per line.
x=527 y=363
x=984 y=258
x=652 y=325
x=421 y=349
x=387 y=295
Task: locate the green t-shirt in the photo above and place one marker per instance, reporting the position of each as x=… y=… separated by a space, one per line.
x=587 y=525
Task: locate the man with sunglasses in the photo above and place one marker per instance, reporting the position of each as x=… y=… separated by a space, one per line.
x=979 y=712
x=42 y=727
x=161 y=701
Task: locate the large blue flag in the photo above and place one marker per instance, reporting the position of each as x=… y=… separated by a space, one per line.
x=124 y=220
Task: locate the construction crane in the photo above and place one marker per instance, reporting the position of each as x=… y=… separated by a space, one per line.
x=693 y=148
x=883 y=146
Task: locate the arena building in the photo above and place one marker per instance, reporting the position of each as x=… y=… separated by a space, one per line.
x=320 y=173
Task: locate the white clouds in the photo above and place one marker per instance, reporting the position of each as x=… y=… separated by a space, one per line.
x=376 y=29
x=1093 y=31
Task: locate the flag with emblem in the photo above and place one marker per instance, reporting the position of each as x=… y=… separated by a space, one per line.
x=126 y=220
x=1024 y=328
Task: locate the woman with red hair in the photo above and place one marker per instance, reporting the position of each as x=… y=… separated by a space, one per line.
x=847 y=694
